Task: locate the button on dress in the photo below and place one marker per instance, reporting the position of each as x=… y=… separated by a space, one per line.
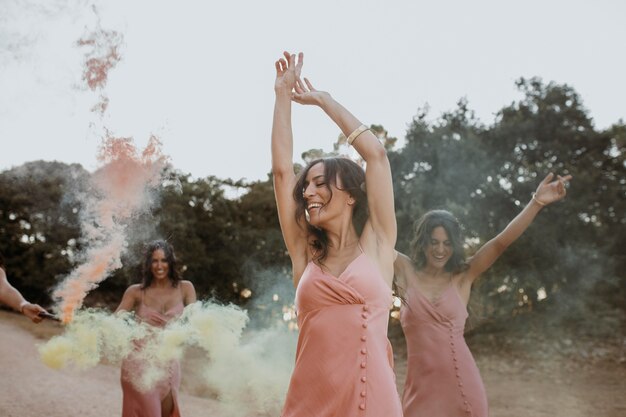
x=442 y=377
x=344 y=364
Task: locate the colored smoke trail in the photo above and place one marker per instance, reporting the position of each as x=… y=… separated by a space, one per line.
x=122 y=189
x=248 y=373
x=121 y=186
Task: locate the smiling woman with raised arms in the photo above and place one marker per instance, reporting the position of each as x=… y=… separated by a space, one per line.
x=435 y=283
x=342 y=267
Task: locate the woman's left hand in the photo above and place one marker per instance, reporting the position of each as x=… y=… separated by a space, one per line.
x=305 y=93
x=549 y=192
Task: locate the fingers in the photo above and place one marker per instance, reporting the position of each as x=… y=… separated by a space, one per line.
x=300 y=63
x=547 y=178
x=299 y=87
x=292 y=61
x=308 y=83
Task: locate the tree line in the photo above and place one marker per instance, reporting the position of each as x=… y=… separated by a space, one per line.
x=232 y=249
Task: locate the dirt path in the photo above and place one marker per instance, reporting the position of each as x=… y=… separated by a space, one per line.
x=30 y=389
x=516 y=388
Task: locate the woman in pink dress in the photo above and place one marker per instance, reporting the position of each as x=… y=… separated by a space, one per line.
x=435 y=283
x=341 y=243
x=161 y=297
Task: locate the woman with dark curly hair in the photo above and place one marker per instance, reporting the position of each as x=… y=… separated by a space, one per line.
x=160 y=297
x=435 y=284
x=341 y=243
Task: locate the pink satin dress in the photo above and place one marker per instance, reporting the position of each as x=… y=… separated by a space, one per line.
x=138 y=403
x=442 y=377
x=344 y=364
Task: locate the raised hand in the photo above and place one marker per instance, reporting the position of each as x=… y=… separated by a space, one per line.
x=288 y=70
x=549 y=192
x=305 y=93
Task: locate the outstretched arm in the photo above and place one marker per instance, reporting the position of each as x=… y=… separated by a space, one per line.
x=547 y=193
x=294 y=234
x=377 y=173
x=14 y=299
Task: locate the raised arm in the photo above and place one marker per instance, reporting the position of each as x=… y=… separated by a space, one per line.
x=294 y=234
x=547 y=193
x=14 y=299
x=380 y=202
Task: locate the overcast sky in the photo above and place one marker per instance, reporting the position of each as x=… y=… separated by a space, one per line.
x=200 y=74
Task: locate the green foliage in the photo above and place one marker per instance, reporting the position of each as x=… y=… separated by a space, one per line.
x=39 y=224
x=483 y=174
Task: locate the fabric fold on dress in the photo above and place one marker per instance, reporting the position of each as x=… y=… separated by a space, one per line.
x=344 y=364
x=442 y=377
x=138 y=403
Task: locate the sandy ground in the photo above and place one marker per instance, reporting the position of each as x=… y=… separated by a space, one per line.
x=516 y=388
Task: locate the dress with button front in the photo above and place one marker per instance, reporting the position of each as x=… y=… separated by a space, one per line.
x=344 y=364
x=442 y=377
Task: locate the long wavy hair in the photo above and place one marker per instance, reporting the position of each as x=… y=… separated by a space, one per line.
x=423 y=231
x=352 y=179
x=170 y=257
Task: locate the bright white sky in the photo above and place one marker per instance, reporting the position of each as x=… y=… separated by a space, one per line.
x=200 y=74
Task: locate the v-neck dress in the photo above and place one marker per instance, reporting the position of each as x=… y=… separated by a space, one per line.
x=344 y=360
x=442 y=377
x=137 y=403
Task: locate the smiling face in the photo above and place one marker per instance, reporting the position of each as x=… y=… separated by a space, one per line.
x=159 y=267
x=324 y=200
x=439 y=249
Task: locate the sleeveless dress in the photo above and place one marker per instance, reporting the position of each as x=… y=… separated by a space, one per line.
x=442 y=378
x=138 y=403
x=344 y=362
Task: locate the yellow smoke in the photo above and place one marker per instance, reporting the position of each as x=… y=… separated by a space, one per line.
x=249 y=372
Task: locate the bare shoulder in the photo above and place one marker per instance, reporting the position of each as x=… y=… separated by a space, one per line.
x=186 y=285
x=134 y=290
x=403 y=265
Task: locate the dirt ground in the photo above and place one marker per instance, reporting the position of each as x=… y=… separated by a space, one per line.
x=516 y=386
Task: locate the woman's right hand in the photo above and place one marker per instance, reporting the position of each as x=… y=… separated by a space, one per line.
x=288 y=72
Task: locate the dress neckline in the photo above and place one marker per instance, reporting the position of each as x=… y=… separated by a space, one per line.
x=345 y=269
x=177 y=304
x=437 y=300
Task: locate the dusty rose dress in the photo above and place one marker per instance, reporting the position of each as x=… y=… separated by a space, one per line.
x=442 y=378
x=343 y=358
x=148 y=404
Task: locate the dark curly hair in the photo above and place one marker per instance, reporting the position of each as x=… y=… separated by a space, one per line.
x=423 y=230
x=170 y=257
x=352 y=179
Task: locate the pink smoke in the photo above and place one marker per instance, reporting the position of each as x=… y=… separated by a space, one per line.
x=122 y=190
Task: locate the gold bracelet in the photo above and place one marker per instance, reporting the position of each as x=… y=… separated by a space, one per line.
x=537 y=201
x=356 y=133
